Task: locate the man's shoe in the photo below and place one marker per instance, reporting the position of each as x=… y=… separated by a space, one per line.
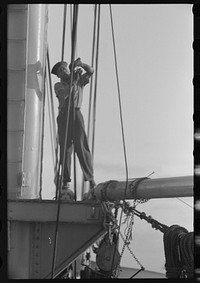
x=66 y=186
x=66 y=193
x=92 y=184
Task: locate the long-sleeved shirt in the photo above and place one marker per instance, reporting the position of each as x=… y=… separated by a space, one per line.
x=62 y=90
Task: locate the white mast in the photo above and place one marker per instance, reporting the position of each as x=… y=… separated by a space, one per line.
x=27 y=27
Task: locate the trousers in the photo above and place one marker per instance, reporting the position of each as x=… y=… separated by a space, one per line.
x=76 y=134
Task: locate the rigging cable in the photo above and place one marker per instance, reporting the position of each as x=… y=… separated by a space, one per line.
x=184 y=202
x=42 y=151
x=66 y=131
x=91 y=86
x=92 y=63
x=64 y=26
x=51 y=127
x=119 y=97
x=121 y=120
x=71 y=23
x=95 y=90
x=53 y=116
x=178 y=246
x=62 y=57
x=74 y=44
x=74 y=41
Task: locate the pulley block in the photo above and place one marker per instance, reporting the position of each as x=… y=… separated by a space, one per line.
x=108 y=257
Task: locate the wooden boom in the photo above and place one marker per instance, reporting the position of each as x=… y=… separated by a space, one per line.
x=144 y=188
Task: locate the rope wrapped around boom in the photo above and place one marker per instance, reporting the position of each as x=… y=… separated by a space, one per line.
x=178 y=246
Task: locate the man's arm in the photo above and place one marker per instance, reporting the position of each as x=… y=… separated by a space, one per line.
x=89 y=70
x=78 y=63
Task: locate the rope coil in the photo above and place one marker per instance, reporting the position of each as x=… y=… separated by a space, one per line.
x=178 y=246
x=134 y=186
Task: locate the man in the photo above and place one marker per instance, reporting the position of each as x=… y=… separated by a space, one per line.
x=76 y=128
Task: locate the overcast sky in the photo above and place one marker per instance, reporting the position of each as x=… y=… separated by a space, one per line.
x=155 y=64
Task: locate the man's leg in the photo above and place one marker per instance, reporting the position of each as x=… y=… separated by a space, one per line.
x=82 y=149
x=61 y=133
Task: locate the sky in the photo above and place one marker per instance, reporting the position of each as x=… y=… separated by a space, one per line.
x=155 y=67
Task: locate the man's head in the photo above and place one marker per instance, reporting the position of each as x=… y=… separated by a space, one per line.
x=60 y=68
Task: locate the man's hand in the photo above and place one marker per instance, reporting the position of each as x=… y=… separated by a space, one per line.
x=77 y=63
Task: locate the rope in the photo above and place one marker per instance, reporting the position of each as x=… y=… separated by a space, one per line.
x=96 y=72
x=74 y=40
x=187 y=251
x=154 y=223
x=53 y=119
x=51 y=132
x=92 y=63
x=42 y=151
x=58 y=184
x=184 y=202
x=134 y=186
x=119 y=97
x=71 y=19
x=66 y=131
x=91 y=86
x=64 y=26
x=128 y=210
x=121 y=119
x=178 y=244
x=178 y=247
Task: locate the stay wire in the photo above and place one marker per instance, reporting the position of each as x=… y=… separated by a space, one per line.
x=43 y=111
x=74 y=44
x=92 y=64
x=119 y=97
x=64 y=33
x=71 y=80
x=53 y=115
x=96 y=76
x=51 y=129
x=71 y=20
x=62 y=58
x=64 y=155
x=184 y=202
x=91 y=86
x=122 y=127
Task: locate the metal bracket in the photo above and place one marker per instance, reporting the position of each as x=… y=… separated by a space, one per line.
x=92 y=212
x=11 y=235
x=24 y=179
x=24 y=182
x=36 y=250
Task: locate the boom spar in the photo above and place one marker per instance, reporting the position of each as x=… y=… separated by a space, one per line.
x=144 y=188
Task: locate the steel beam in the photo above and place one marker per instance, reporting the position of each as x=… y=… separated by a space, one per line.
x=32 y=235
x=46 y=211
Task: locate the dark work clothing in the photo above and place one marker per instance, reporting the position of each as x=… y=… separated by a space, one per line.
x=77 y=88
x=81 y=146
